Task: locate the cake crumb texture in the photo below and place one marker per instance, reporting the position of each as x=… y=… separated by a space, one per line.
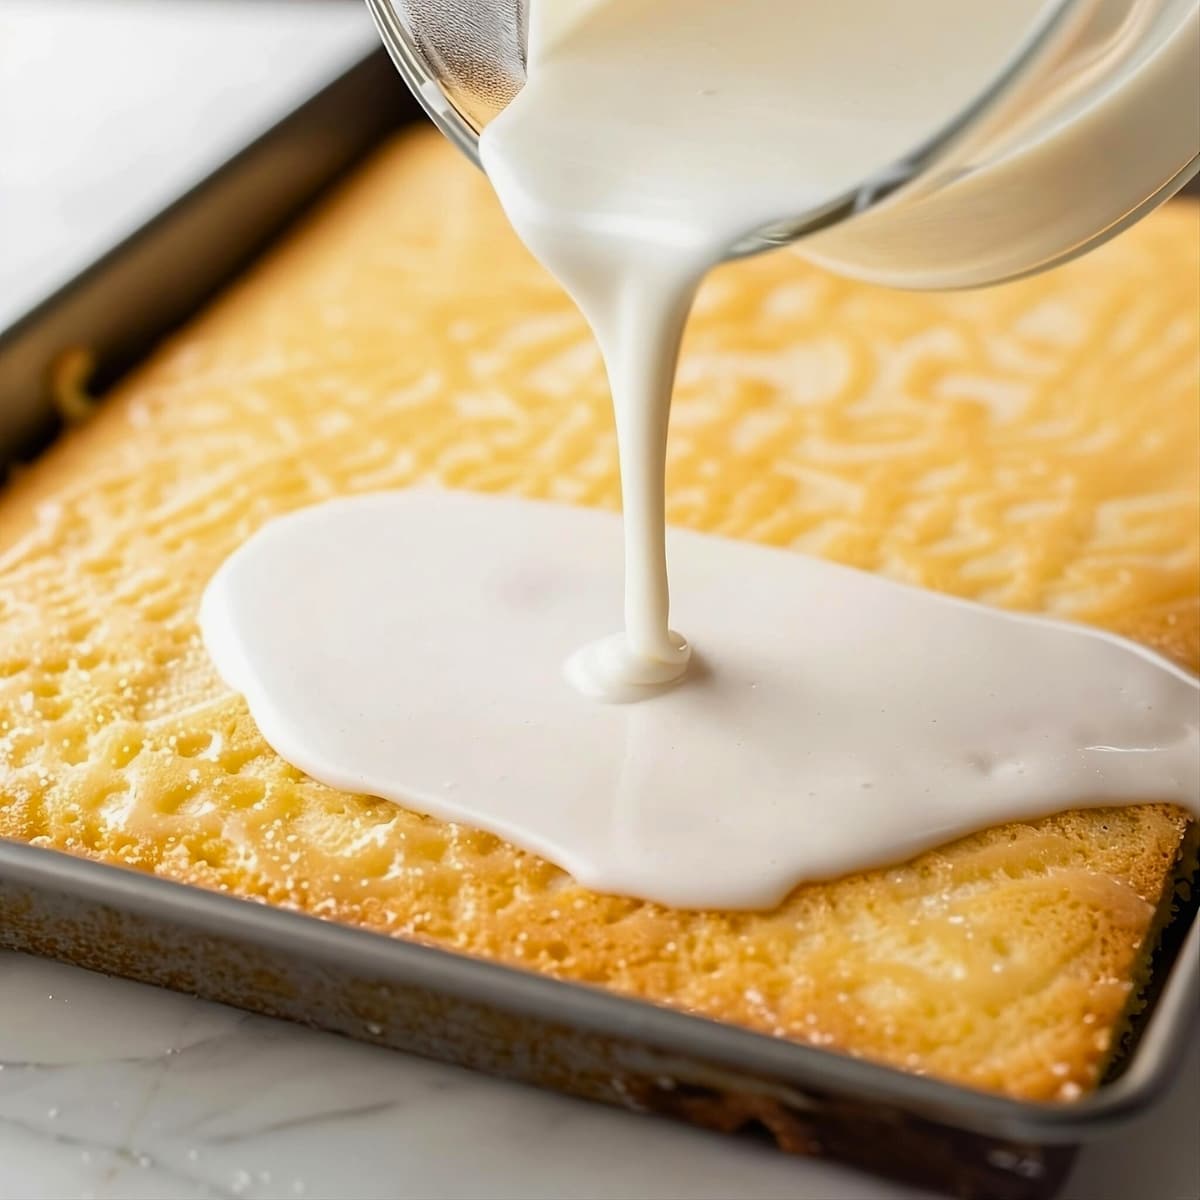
x=1032 y=446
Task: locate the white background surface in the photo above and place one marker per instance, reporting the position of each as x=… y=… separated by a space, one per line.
x=109 y=1089
x=111 y=108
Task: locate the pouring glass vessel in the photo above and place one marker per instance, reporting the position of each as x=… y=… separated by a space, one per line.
x=1096 y=108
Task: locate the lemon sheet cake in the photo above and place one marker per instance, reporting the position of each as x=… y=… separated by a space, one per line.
x=1032 y=446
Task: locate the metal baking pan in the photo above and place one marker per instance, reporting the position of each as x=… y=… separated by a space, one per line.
x=574 y=1038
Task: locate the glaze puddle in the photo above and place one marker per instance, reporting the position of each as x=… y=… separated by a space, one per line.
x=831 y=721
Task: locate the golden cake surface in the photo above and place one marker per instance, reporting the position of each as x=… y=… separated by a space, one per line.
x=1032 y=446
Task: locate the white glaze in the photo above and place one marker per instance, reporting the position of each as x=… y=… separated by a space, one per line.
x=833 y=720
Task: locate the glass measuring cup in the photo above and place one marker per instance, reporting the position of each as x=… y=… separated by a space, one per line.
x=1092 y=121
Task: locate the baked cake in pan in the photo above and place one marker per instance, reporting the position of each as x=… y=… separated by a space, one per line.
x=1032 y=446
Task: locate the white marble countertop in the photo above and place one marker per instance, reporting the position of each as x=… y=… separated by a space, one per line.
x=110 y=1089
x=113 y=1090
